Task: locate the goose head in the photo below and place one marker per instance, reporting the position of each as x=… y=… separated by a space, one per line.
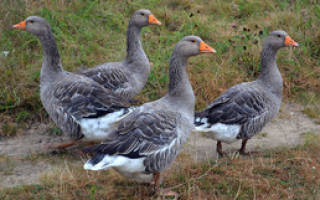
x=192 y=46
x=35 y=25
x=143 y=18
x=278 y=39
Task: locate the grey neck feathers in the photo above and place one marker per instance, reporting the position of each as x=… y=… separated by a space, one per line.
x=270 y=75
x=51 y=64
x=134 y=48
x=180 y=89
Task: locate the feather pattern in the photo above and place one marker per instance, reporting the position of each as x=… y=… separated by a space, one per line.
x=113 y=78
x=153 y=134
x=149 y=138
x=74 y=97
x=128 y=77
x=247 y=104
x=69 y=97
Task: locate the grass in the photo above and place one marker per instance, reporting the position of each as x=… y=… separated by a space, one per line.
x=281 y=174
x=93 y=32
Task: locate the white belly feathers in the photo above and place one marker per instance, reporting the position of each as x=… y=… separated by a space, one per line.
x=226 y=133
x=133 y=169
x=98 y=129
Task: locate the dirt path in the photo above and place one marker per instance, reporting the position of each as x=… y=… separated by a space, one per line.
x=33 y=141
x=287 y=129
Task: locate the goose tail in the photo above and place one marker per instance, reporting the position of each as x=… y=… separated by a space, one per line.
x=200 y=119
x=99 y=162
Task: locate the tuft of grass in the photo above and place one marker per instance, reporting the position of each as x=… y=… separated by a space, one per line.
x=311 y=102
x=311 y=138
x=54 y=130
x=6 y=165
x=311 y=112
x=8 y=129
x=262 y=135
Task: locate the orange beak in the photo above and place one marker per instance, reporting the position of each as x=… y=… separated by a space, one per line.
x=21 y=25
x=204 y=48
x=154 y=20
x=290 y=42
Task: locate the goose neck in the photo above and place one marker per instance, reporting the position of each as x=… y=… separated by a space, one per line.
x=180 y=89
x=134 y=47
x=270 y=75
x=51 y=64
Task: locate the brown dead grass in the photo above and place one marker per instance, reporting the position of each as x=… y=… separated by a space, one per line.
x=280 y=174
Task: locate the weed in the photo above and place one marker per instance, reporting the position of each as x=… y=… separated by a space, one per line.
x=54 y=130
x=310 y=138
x=262 y=135
x=8 y=129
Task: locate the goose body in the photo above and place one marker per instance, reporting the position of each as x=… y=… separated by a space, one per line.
x=244 y=109
x=147 y=141
x=240 y=112
x=128 y=77
x=78 y=105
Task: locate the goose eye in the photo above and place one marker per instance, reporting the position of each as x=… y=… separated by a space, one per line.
x=31 y=21
x=193 y=41
x=142 y=14
x=279 y=36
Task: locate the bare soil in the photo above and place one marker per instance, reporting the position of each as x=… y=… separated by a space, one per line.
x=18 y=166
x=33 y=141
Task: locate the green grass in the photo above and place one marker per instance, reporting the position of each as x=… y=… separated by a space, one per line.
x=93 y=32
x=281 y=174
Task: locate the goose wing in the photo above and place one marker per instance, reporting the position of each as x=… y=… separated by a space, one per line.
x=112 y=78
x=74 y=98
x=237 y=105
x=86 y=99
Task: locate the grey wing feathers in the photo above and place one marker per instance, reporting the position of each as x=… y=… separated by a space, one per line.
x=246 y=106
x=86 y=99
x=111 y=78
x=141 y=134
x=71 y=100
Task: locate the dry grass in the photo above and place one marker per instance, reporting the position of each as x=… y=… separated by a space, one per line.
x=279 y=174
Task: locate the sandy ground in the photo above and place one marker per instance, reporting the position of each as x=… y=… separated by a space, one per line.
x=286 y=130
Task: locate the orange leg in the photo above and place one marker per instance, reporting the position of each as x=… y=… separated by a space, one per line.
x=64 y=145
x=219 y=149
x=242 y=150
x=163 y=193
x=156 y=186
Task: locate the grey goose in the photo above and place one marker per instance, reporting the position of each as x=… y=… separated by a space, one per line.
x=128 y=77
x=148 y=140
x=244 y=109
x=77 y=104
